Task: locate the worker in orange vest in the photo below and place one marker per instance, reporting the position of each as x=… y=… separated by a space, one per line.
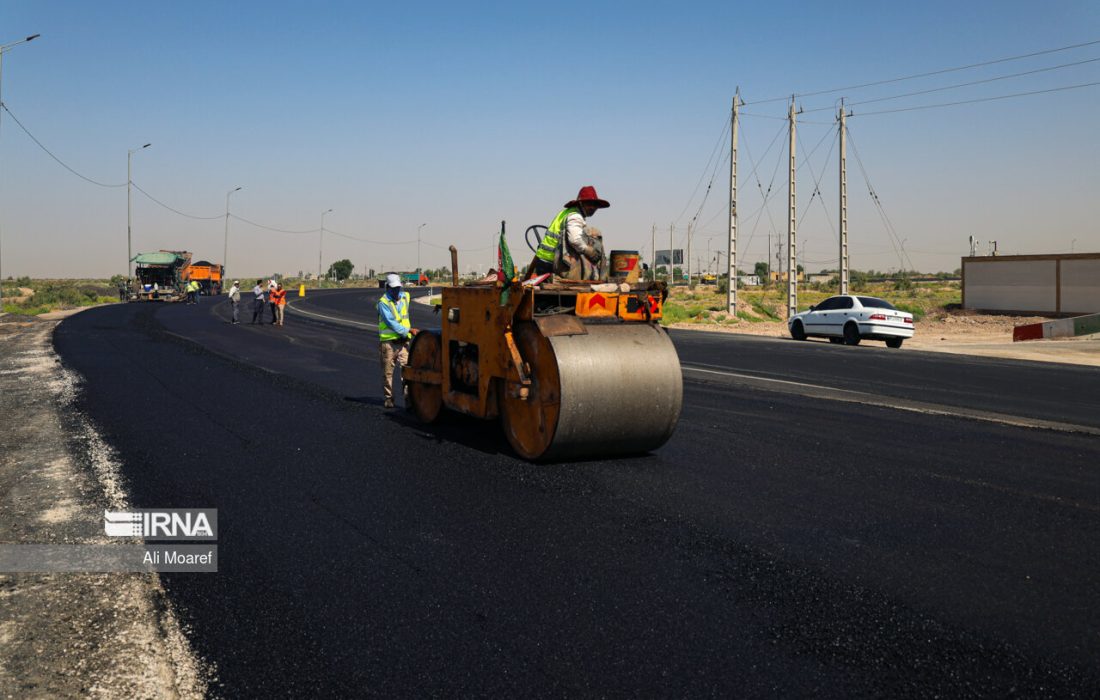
x=278 y=299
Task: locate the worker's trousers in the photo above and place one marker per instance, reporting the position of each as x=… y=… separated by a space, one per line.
x=393 y=353
x=236 y=310
x=258 y=310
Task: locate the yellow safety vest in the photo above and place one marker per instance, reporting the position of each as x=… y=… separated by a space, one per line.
x=400 y=311
x=550 y=242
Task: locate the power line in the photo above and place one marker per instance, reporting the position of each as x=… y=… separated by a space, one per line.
x=980 y=99
x=713 y=153
x=903 y=257
x=272 y=228
x=931 y=73
x=51 y=155
x=175 y=211
x=710 y=184
x=367 y=240
x=959 y=85
x=817 y=180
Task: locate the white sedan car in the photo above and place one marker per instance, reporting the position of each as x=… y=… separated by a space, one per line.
x=849 y=318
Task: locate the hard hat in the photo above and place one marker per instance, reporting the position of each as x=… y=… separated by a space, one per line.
x=393 y=280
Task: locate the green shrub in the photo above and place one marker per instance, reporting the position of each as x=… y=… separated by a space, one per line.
x=759 y=307
x=917 y=311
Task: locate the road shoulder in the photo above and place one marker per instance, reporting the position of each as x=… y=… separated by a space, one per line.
x=72 y=634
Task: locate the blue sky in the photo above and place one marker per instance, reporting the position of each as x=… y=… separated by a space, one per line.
x=459 y=116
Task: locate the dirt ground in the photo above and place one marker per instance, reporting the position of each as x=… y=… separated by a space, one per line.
x=962 y=333
x=72 y=634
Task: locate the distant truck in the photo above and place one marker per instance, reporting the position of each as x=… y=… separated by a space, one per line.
x=207 y=274
x=159 y=276
x=408 y=278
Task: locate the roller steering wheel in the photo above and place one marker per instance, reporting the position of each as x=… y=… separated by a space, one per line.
x=540 y=231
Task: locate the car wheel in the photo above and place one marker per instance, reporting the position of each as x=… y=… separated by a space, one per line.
x=836 y=341
x=851 y=334
x=797 y=331
x=893 y=342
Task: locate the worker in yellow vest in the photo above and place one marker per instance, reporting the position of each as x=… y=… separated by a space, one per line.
x=193 y=288
x=572 y=249
x=394 y=334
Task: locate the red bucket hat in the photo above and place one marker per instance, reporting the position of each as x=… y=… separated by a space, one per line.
x=588 y=194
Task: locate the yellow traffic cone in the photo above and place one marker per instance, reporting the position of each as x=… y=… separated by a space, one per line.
x=301 y=290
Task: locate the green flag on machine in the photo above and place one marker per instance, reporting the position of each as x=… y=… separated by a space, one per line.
x=506 y=269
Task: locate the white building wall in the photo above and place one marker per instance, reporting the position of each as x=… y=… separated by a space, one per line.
x=1081 y=286
x=1011 y=285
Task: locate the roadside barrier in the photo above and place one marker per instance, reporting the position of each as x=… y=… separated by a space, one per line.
x=1061 y=328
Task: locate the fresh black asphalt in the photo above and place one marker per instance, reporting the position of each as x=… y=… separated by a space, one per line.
x=777 y=545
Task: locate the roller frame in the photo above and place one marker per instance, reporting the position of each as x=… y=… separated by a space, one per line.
x=602 y=379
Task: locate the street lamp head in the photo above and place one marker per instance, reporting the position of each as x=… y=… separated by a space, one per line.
x=147 y=145
x=32 y=37
x=236 y=189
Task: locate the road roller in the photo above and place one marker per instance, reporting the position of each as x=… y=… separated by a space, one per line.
x=571 y=372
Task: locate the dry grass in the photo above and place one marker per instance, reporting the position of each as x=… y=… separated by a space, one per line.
x=706 y=304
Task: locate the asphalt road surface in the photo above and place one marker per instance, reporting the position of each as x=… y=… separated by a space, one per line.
x=825 y=520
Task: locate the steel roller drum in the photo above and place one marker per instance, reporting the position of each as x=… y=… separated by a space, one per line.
x=615 y=390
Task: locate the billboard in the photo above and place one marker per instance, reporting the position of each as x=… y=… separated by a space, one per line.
x=662 y=257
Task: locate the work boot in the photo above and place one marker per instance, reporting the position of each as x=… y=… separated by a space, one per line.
x=388 y=403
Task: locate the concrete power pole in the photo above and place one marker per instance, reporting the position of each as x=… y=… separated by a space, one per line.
x=671 y=257
x=792 y=250
x=653 y=252
x=687 y=261
x=731 y=251
x=843 y=202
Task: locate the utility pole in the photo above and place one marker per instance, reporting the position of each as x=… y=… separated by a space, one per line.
x=671 y=257
x=129 y=207
x=792 y=250
x=225 y=249
x=653 y=252
x=778 y=260
x=731 y=251
x=843 y=202
x=418 y=253
x=321 y=246
x=4 y=49
x=687 y=260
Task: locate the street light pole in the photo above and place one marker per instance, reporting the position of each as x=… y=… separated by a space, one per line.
x=225 y=250
x=418 y=252
x=129 y=206
x=3 y=49
x=321 y=246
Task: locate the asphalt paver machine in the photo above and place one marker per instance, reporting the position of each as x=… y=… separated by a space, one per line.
x=573 y=370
